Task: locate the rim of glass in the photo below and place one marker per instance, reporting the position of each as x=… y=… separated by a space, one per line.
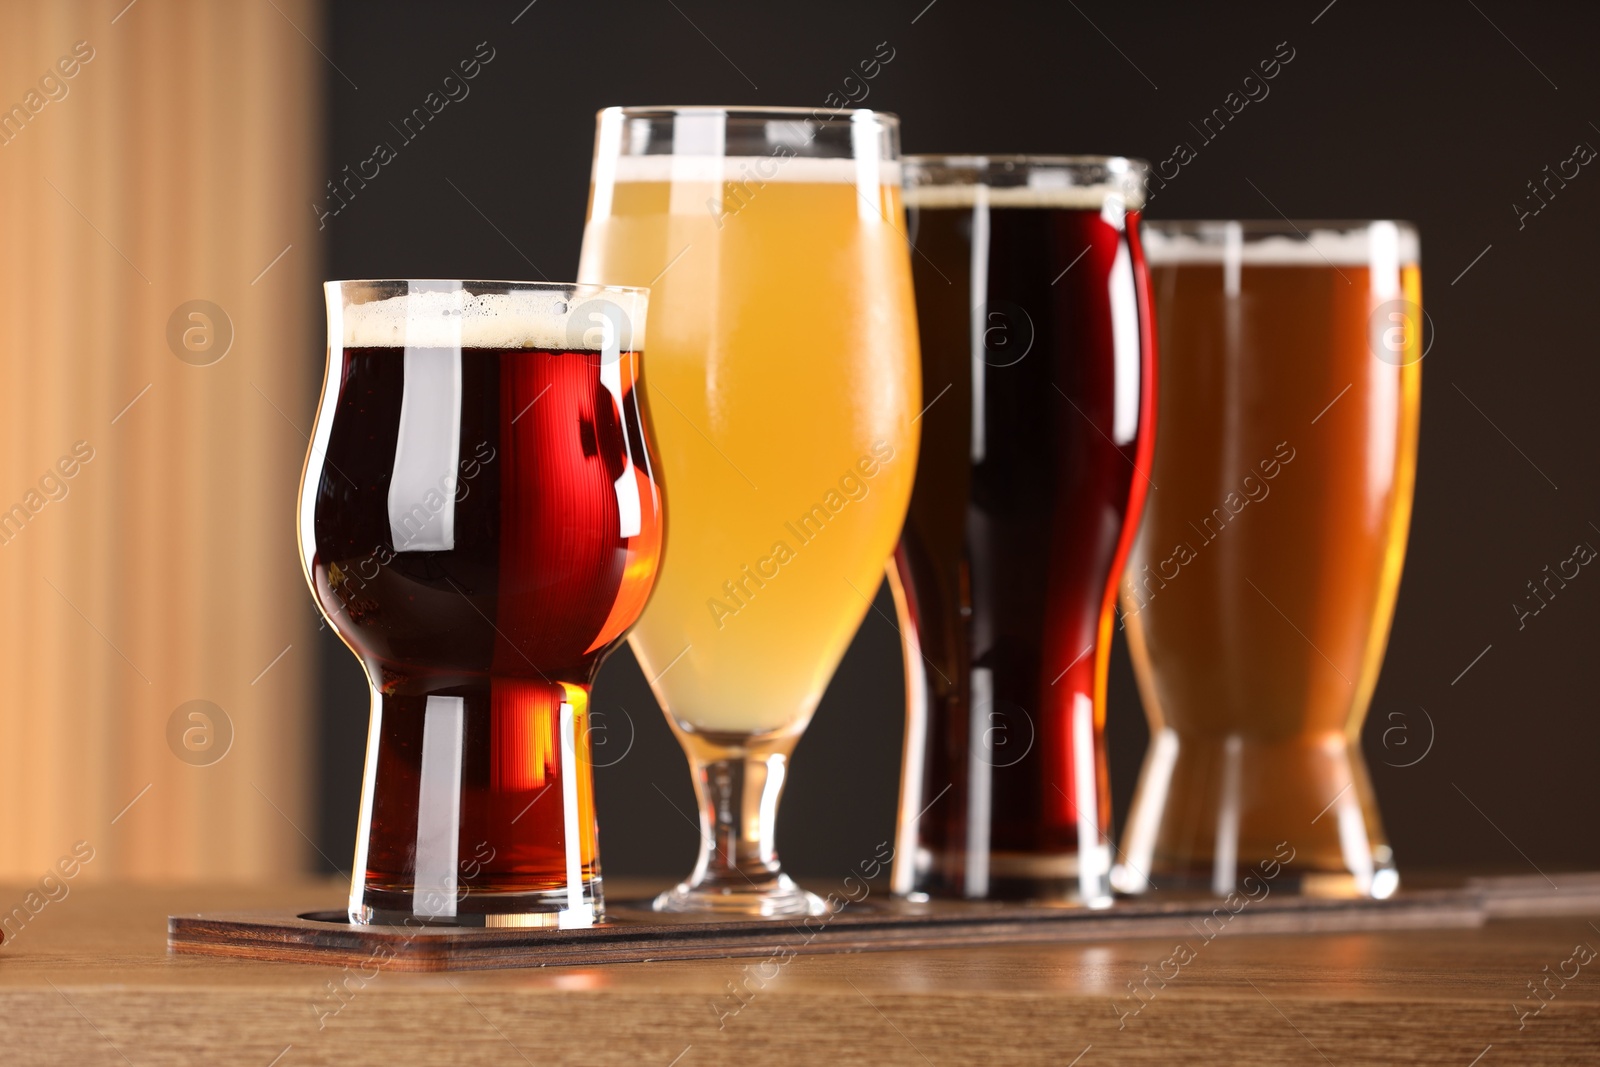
x=749 y=111
x=1015 y=161
x=486 y=283
x=1297 y=228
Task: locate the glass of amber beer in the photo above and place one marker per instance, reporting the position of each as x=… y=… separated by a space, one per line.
x=1260 y=589
x=785 y=387
x=1034 y=313
x=480 y=523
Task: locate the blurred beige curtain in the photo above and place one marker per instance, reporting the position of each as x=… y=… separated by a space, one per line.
x=156 y=163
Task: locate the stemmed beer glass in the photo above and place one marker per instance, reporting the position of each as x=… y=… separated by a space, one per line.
x=480 y=523
x=785 y=385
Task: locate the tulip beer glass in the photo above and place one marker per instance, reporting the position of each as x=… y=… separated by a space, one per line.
x=480 y=523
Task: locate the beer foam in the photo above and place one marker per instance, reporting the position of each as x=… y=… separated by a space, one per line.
x=776 y=167
x=1089 y=197
x=1350 y=245
x=524 y=318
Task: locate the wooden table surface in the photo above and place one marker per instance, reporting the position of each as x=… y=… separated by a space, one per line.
x=89 y=980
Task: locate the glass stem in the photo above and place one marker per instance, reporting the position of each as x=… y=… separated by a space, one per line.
x=738 y=792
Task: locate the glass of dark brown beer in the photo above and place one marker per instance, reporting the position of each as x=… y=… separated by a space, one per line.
x=1038 y=369
x=1259 y=593
x=481 y=523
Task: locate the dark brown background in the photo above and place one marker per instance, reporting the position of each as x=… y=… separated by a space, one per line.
x=1422 y=112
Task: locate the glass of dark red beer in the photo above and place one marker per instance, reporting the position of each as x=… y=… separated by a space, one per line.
x=480 y=521
x=1038 y=365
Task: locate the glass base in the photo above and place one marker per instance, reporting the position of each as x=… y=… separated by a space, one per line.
x=1068 y=878
x=772 y=896
x=1214 y=811
x=1337 y=885
x=555 y=908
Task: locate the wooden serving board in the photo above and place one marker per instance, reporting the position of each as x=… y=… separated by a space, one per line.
x=632 y=933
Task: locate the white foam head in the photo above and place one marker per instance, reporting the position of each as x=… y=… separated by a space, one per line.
x=759 y=169
x=1085 y=197
x=1090 y=183
x=1354 y=244
x=580 y=318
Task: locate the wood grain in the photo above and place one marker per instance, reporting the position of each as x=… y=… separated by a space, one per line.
x=174 y=165
x=633 y=934
x=91 y=981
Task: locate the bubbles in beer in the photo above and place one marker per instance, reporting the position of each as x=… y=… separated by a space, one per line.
x=458 y=318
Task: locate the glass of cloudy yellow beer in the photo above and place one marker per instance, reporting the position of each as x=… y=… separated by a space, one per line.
x=784 y=386
x=1260 y=589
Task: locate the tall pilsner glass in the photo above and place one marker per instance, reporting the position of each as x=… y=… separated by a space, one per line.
x=1260 y=590
x=1034 y=311
x=784 y=385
